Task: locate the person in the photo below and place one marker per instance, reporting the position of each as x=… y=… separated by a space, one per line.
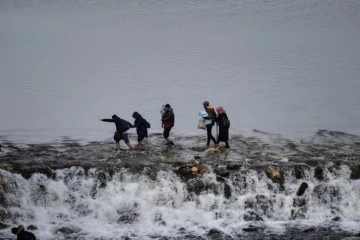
x=212 y=117
x=223 y=122
x=168 y=120
x=162 y=113
x=21 y=234
x=141 y=126
x=121 y=127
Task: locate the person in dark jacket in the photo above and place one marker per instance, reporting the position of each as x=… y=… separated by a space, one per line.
x=212 y=117
x=121 y=127
x=223 y=129
x=21 y=234
x=168 y=120
x=141 y=126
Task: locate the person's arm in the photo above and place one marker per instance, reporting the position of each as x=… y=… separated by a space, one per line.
x=128 y=123
x=107 y=120
x=167 y=117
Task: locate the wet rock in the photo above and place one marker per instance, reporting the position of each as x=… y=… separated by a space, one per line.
x=319 y=173
x=200 y=168
x=217 y=234
x=250 y=229
x=297 y=214
x=184 y=170
x=312 y=229
x=227 y=191
x=302 y=189
x=3 y=225
x=32 y=227
x=198 y=185
x=252 y=217
x=222 y=171
x=127 y=216
x=299 y=171
x=275 y=175
x=233 y=166
x=67 y=230
x=355 y=172
x=326 y=194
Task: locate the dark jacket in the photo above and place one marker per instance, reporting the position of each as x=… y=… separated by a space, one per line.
x=223 y=131
x=140 y=124
x=119 y=123
x=169 y=118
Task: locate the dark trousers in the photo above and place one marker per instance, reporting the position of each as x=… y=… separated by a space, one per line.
x=209 y=134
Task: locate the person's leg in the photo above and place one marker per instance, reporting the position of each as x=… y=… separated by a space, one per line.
x=227 y=144
x=140 y=141
x=117 y=139
x=126 y=140
x=166 y=136
x=209 y=134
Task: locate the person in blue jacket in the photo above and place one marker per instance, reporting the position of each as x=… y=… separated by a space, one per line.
x=141 y=126
x=120 y=134
x=208 y=123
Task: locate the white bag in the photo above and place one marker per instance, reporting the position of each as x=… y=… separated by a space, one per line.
x=201 y=123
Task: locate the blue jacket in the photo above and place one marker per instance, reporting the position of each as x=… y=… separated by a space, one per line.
x=205 y=116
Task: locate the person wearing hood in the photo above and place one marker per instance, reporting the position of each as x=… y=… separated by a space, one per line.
x=209 y=121
x=141 y=126
x=168 y=120
x=21 y=234
x=224 y=125
x=121 y=127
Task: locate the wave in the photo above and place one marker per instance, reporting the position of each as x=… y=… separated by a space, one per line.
x=264 y=185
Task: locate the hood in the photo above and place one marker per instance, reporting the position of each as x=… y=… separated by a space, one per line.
x=136 y=115
x=203 y=113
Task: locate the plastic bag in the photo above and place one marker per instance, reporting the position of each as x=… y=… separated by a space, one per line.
x=201 y=124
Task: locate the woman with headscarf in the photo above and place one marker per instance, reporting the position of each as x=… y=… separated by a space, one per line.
x=224 y=125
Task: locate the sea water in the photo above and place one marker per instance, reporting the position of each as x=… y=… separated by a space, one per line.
x=280 y=66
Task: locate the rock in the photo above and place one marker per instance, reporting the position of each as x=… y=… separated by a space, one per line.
x=217 y=234
x=355 y=172
x=250 y=229
x=312 y=229
x=67 y=230
x=200 y=168
x=297 y=214
x=302 y=189
x=319 y=173
x=299 y=202
x=252 y=217
x=227 y=191
x=222 y=172
x=275 y=175
x=3 y=225
x=32 y=227
x=127 y=216
x=233 y=166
